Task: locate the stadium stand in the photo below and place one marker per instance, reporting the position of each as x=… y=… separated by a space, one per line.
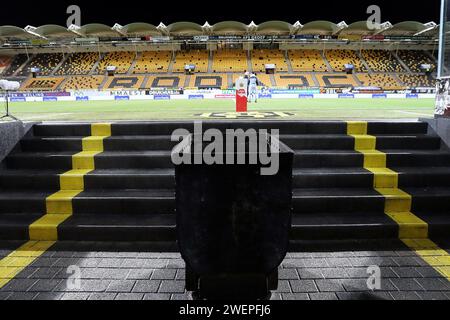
x=414 y=58
x=230 y=61
x=214 y=80
x=262 y=57
x=121 y=60
x=417 y=80
x=15 y=65
x=294 y=80
x=384 y=81
x=264 y=79
x=42 y=84
x=175 y=81
x=5 y=62
x=124 y=82
x=78 y=64
x=46 y=62
x=336 y=80
x=194 y=57
x=307 y=60
x=83 y=83
x=153 y=62
x=382 y=61
x=339 y=58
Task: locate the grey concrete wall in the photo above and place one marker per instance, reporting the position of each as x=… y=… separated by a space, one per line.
x=440 y=126
x=10 y=135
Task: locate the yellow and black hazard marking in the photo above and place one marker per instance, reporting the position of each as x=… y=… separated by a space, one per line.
x=413 y=231
x=19 y=259
x=245 y=115
x=59 y=205
x=43 y=233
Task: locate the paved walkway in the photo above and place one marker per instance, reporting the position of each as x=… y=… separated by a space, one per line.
x=124 y=271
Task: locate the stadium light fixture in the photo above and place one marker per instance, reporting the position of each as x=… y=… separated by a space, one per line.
x=119 y=29
x=32 y=30
x=75 y=29
x=384 y=27
x=207 y=28
x=252 y=27
x=341 y=26
x=296 y=27
x=162 y=28
x=430 y=26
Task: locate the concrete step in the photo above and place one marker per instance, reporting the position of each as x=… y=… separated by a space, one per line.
x=284 y=127
x=302 y=141
x=162 y=159
x=99 y=179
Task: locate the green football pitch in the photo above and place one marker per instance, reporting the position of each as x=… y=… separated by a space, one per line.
x=324 y=109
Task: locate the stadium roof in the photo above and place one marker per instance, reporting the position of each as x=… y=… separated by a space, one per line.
x=139 y=29
x=53 y=31
x=184 y=28
x=359 y=28
x=229 y=27
x=319 y=27
x=95 y=30
x=410 y=28
x=275 y=27
x=14 y=32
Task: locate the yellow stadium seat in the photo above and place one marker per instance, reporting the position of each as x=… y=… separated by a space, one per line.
x=381 y=61
x=124 y=83
x=153 y=62
x=41 y=84
x=121 y=60
x=83 y=83
x=209 y=80
x=307 y=60
x=339 y=58
x=384 y=81
x=417 y=80
x=414 y=58
x=336 y=80
x=174 y=81
x=194 y=57
x=294 y=80
x=78 y=64
x=46 y=62
x=230 y=61
x=262 y=57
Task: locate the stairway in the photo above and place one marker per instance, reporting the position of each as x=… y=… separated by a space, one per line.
x=129 y=193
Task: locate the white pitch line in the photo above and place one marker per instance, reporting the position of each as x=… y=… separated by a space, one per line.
x=415 y=113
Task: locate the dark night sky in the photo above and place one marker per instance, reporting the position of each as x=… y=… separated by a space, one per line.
x=36 y=13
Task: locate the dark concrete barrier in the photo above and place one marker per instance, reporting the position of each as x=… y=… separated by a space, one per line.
x=233 y=225
x=10 y=134
x=440 y=126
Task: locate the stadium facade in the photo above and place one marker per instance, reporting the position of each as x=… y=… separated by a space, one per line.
x=320 y=56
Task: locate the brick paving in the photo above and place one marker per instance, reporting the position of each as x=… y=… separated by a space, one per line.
x=107 y=274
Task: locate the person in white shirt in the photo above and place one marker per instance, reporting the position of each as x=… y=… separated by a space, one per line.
x=253 y=88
